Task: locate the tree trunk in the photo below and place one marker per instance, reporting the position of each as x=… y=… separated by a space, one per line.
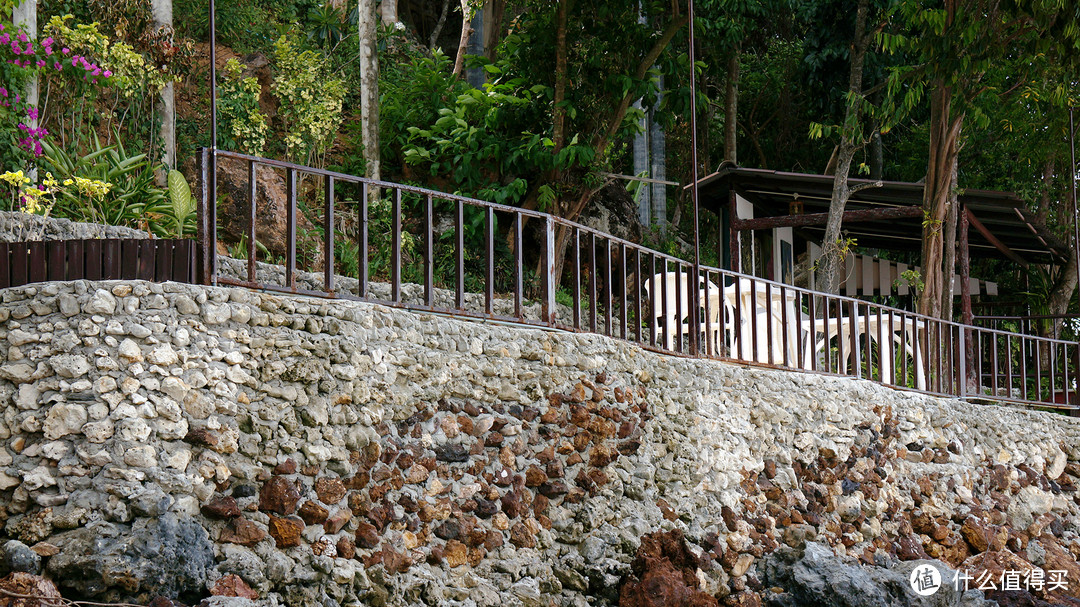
x=877 y=156
x=658 y=155
x=493 y=33
x=948 y=264
x=731 y=107
x=463 y=42
x=439 y=25
x=833 y=250
x=24 y=16
x=369 y=87
x=163 y=18
x=388 y=8
x=641 y=165
x=944 y=133
x=558 y=111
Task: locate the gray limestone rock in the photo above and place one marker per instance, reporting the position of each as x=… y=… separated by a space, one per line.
x=163 y=556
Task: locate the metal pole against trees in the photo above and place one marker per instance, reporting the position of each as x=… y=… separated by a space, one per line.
x=211 y=204
x=695 y=280
x=1072 y=181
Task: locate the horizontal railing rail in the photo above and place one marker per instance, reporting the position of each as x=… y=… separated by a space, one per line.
x=421 y=249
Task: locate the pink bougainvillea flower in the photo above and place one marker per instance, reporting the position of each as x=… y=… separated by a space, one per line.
x=74 y=62
x=23 y=37
x=65 y=50
x=48 y=41
x=57 y=66
x=41 y=63
x=108 y=74
x=15 y=48
x=5 y=38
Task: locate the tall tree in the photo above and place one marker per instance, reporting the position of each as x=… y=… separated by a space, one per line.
x=964 y=51
x=163 y=19
x=852 y=139
x=367 y=24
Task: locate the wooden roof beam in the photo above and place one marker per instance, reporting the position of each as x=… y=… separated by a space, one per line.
x=814 y=219
x=1005 y=250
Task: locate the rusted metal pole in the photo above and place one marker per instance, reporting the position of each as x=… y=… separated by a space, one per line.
x=696 y=270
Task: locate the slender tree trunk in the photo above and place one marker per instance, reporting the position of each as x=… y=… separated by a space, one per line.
x=948 y=264
x=877 y=156
x=463 y=42
x=369 y=87
x=493 y=33
x=558 y=111
x=163 y=18
x=944 y=133
x=833 y=250
x=658 y=154
x=439 y=25
x=24 y=16
x=1045 y=202
x=388 y=9
x=731 y=107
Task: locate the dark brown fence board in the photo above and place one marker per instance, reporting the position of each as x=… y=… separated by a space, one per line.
x=129 y=259
x=56 y=260
x=147 y=249
x=37 y=270
x=163 y=259
x=95 y=259
x=5 y=265
x=19 y=256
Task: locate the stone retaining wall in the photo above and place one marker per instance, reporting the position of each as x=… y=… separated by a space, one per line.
x=166 y=439
x=24 y=227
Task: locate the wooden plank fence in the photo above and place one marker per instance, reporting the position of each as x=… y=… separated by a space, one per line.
x=156 y=260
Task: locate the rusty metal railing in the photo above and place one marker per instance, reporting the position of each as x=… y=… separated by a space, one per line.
x=425 y=250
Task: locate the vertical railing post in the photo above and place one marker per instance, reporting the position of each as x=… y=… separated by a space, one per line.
x=252 y=219
x=395 y=268
x=362 y=245
x=202 y=225
x=964 y=355
x=328 y=238
x=550 y=282
x=429 y=252
x=290 y=222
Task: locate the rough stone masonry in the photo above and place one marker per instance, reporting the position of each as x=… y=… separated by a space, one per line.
x=174 y=440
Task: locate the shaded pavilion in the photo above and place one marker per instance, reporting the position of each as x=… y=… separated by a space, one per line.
x=789 y=211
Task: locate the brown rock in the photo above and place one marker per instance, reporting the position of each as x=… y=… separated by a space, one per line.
x=663 y=573
x=221 y=508
x=521 y=536
x=45 y=549
x=279 y=495
x=286 y=531
x=534 y=476
x=286 y=467
x=910 y=548
x=27 y=584
x=346 y=549
x=1059 y=559
x=242 y=531
x=602 y=455
x=977 y=533
x=330 y=490
x=337 y=521
x=455 y=554
x=233 y=585
x=367 y=536
x=271 y=204
x=312 y=513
